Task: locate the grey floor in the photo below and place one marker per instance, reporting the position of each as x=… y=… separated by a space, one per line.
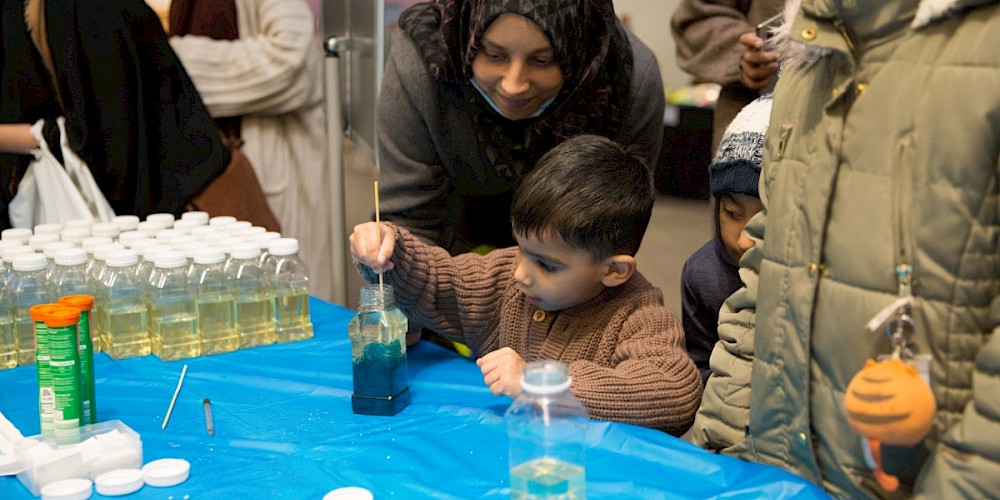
x=679 y=226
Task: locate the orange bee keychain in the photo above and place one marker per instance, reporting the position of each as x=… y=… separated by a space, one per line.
x=888 y=402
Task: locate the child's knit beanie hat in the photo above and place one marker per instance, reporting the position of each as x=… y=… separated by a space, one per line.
x=737 y=162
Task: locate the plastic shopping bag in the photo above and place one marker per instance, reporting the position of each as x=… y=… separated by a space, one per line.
x=55 y=192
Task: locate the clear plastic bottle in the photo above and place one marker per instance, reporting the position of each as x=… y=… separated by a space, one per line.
x=29 y=287
x=7 y=254
x=8 y=344
x=124 y=330
x=215 y=301
x=290 y=277
x=70 y=274
x=50 y=250
x=173 y=321
x=254 y=296
x=96 y=267
x=547 y=426
x=378 y=353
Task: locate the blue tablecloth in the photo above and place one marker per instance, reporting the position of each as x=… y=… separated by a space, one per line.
x=284 y=429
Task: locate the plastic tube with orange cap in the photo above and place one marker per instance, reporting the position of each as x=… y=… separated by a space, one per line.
x=85 y=345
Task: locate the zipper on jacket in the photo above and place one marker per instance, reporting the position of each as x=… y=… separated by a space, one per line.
x=904 y=203
x=842 y=28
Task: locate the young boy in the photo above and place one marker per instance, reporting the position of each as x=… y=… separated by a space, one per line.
x=711 y=273
x=569 y=291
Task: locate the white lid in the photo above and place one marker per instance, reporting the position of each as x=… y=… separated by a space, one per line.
x=71 y=257
x=167 y=219
x=221 y=220
x=12 y=243
x=119 y=482
x=75 y=234
x=227 y=243
x=127 y=237
x=68 y=489
x=150 y=227
x=166 y=472
x=121 y=258
x=267 y=237
x=209 y=255
x=101 y=251
x=109 y=229
x=169 y=259
x=238 y=226
x=30 y=262
x=251 y=231
x=349 y=493
x=39 y=240
x=283 y=246
x=203 y=231
x=168 y=235
x=91 y=242
x=79 y=223
x=245 y=251
x=186 y=225
x=141 y=244
x=195 y=215
x=149 y=252
x=126 y=222
x=50 y=249
x=49 y=228
x=182 y=240
x=8 y=253
x=16 y=233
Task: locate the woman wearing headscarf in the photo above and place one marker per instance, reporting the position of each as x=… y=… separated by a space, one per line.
x=476 y=91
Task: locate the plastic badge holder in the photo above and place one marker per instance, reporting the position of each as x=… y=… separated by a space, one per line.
x=102 y=447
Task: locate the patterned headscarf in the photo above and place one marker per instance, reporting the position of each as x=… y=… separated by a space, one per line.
x=592 y=49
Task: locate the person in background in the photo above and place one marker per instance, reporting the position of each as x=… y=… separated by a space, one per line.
x=257 y=65
x=717 y=42
x=132 y=113
x=711 y=273
x=568 y=291
x=475 y=91
x=880 y=183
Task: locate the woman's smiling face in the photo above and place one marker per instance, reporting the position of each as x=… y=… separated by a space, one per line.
x=516 y=66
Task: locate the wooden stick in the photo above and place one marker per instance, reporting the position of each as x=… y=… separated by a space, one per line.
x=378 y=231
x=174 y=399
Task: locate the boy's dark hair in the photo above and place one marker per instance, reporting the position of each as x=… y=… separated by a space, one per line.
x=594 y=193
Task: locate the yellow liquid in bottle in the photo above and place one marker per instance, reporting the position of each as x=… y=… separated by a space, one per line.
x=292 y=318
x=174 y=335
x=24 y=330
x=217 y=323
x=255 y=320
x=8 y=347
x=126 y=333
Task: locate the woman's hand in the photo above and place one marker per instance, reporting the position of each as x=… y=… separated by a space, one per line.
x=372 y=245
x=757 y=64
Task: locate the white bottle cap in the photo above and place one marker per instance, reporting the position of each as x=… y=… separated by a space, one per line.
x=150 y=227
x=75 y=234
x=221 y=221
x=186 y=225
x=169 y=259
x=121 y=258
x=68 y=489
x=71 y=257
x=16 y=233
x=91 y=242
x=249 y=232
x=37 y=241
x=49 y=228
x=30 y=262
x=149 y=253
x=209 y=255
x=166 y=472
x=109 y=229
x=200 y=217
x=164 y=218
x=8 y=253
x=349 y=493
x=168 y=235
x=119 y=482
x=126 y=222
x=283 y=246
x=245 y=251
x=54 y=247
x=203 y=231
x=183 y=240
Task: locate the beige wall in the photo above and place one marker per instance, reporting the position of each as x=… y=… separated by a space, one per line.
x=650 y=21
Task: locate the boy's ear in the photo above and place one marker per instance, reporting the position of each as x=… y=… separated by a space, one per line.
x=620 y=269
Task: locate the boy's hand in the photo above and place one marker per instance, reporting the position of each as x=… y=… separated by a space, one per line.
x=502 y=370
x=368 y=250
x=757 y=64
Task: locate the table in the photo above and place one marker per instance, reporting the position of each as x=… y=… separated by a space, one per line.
x=284 y=429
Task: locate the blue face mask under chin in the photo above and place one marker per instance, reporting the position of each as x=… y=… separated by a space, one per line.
x=540 y=110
